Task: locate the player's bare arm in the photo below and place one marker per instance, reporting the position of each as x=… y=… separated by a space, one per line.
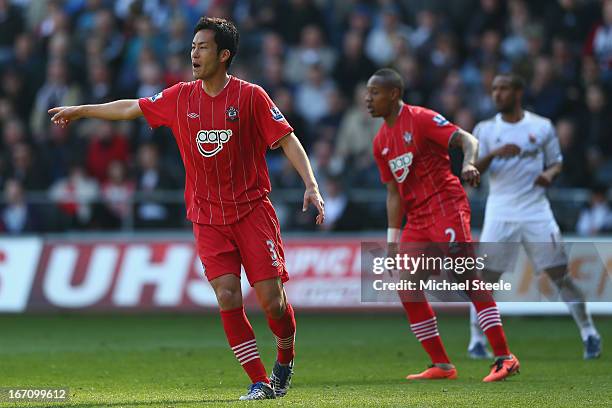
x=394 y=218
x=469 y=145
x=506 y=151
x=546 y=178
x=123 y=109
x=294 y=151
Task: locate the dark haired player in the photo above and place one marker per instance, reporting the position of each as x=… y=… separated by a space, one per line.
x=411 y=150
x=521 y=152
x=223 y=127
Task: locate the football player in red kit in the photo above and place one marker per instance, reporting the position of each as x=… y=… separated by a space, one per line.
x=411 y=151
x=223 y=127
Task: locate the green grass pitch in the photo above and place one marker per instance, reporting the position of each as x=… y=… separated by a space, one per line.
x=343 y=360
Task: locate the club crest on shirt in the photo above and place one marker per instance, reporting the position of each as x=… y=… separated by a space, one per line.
x=276 y=114
x=157 y=96
x=532 y=138
x=407 y=137
x=400 y=166
x=231 y=113
x=210 y=142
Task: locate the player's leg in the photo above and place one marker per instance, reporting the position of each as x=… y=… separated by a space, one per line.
x=261 y=248
x=221 y=263
x=544 y=245
x=281 y=320
x=489 y=319
x=422 y=319
x=499 y=241
x=574 y=299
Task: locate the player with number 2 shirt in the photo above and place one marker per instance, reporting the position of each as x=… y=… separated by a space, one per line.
x=411 y=151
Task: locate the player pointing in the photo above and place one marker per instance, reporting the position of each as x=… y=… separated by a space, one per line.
x=521 y=152
x=411 y=150
x=223 y=127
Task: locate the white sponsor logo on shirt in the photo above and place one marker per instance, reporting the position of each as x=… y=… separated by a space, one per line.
x=400 y=166
x=210 y=142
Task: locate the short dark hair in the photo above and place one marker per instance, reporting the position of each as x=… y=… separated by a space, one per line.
x=392 y=79
x=226 y=34
x=516 y=81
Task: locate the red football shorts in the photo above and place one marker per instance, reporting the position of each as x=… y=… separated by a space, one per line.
x=453 y=228
x=254 y=241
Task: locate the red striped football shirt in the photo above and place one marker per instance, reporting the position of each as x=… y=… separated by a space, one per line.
x=414 y=153
x=223 y=142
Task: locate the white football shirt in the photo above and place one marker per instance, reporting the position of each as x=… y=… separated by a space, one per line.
x=512 y=193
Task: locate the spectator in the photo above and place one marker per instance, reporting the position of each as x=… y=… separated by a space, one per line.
x=56 y=91
x=545 y=95
x=14 y=88
x=27 y=61
x=514 y=45
x=117 y=193
x=99 y=85
x=422 y=38
x=105 y=147
x=416 y=91
x=599 y=43
x=353 y=66
x=379 y=44
x=16 y=215
x=597 y=217
x=356 y=131
x=595 y=125
x=29 y=171
x=327 y=127
x=490 y=16
x=273 y=77
x=336 y=202
x=61 y=149
x=566 y=19
x=11 y=25
x=75 y=196
x=292 y=15
x=311 y=50
x=575 y=171
x=152 y=178
x=312 y=96
x=596 y=121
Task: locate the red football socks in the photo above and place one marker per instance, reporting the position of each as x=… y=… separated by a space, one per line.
x=425 y=327
x=491 y=324
x=241 y=339
x=284 y=331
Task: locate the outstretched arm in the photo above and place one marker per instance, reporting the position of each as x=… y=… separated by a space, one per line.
x=123 y=109
x=297 y=156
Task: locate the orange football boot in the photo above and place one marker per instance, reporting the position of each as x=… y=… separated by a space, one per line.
x=502 y=369
x=434 y=373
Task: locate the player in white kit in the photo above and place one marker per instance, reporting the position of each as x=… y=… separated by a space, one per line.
x=521 y=152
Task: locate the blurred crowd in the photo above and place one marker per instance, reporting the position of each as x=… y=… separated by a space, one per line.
x=313 y=57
